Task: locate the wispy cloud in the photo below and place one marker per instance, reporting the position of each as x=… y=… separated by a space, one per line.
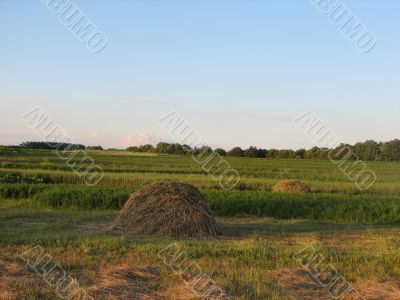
x=153 y=102
x=265 y=117
x=275 y=118
x=157 y=102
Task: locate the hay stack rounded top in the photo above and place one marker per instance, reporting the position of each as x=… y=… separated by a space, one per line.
x=291 y=186
x=167 y=208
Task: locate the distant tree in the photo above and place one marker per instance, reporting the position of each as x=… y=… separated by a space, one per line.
x=272 y=153
x=250 y=152
x=187 y=149
x=94 y=148
x=52 y=146
x=161 y=147
x=132 y=149
x=261 y=153
x=286 y=154
x=300 y=153
x=313 y=153
x=203 y=151
x=323 y=154
x=171 y=148
x=141 y=148
x=178 y=149
x=342 y=152
x=391 y=150
x=220 y=151
x=368 y=151
x=146 y=148
x=236 y=151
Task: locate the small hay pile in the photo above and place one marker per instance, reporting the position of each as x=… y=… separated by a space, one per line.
x=167 y=208
x=291 y=186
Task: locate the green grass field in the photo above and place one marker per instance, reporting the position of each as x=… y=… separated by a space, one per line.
x=44 y=203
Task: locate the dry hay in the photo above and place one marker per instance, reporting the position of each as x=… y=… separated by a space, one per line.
x=291 y=186
x=300 y=284
x=379 y=290
x=124 y=282
x=14 y=276
x=167 y=208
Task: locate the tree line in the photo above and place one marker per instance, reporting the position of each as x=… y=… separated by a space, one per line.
x=368 y=151
x=51 y=146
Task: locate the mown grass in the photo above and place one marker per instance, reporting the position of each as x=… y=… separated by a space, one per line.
x=247 y=262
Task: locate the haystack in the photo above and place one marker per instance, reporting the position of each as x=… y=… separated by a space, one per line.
x=167 y=208
x=291 y=186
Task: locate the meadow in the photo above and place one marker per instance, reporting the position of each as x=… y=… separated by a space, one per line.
x=43 y=202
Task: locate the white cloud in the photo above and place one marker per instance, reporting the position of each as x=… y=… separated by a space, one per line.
x=136 y=139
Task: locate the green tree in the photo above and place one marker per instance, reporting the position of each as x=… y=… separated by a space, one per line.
x=272 y=153
x=94 y=148
x=369 y=150
x=300 y=153
x=220 y=151
x=262 y=153
x=391 y=150
x=286 y=154
x=313 y=153
x=161 y=147
x=250 y=152
x=236 y=151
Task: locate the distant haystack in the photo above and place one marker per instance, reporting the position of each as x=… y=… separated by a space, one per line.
x=291 y=186
x=167 y=208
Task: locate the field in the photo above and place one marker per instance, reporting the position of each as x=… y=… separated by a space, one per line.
x=44 y=203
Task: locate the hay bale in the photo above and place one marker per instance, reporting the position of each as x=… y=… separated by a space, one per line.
x=167 y=208
x=291 y=186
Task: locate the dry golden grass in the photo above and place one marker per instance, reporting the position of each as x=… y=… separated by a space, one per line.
x=297 y=283
x=291 y=186
x=379 y=290
x=123 y=282
x=13 y=274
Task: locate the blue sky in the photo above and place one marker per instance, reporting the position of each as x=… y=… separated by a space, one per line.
x=238 y=71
